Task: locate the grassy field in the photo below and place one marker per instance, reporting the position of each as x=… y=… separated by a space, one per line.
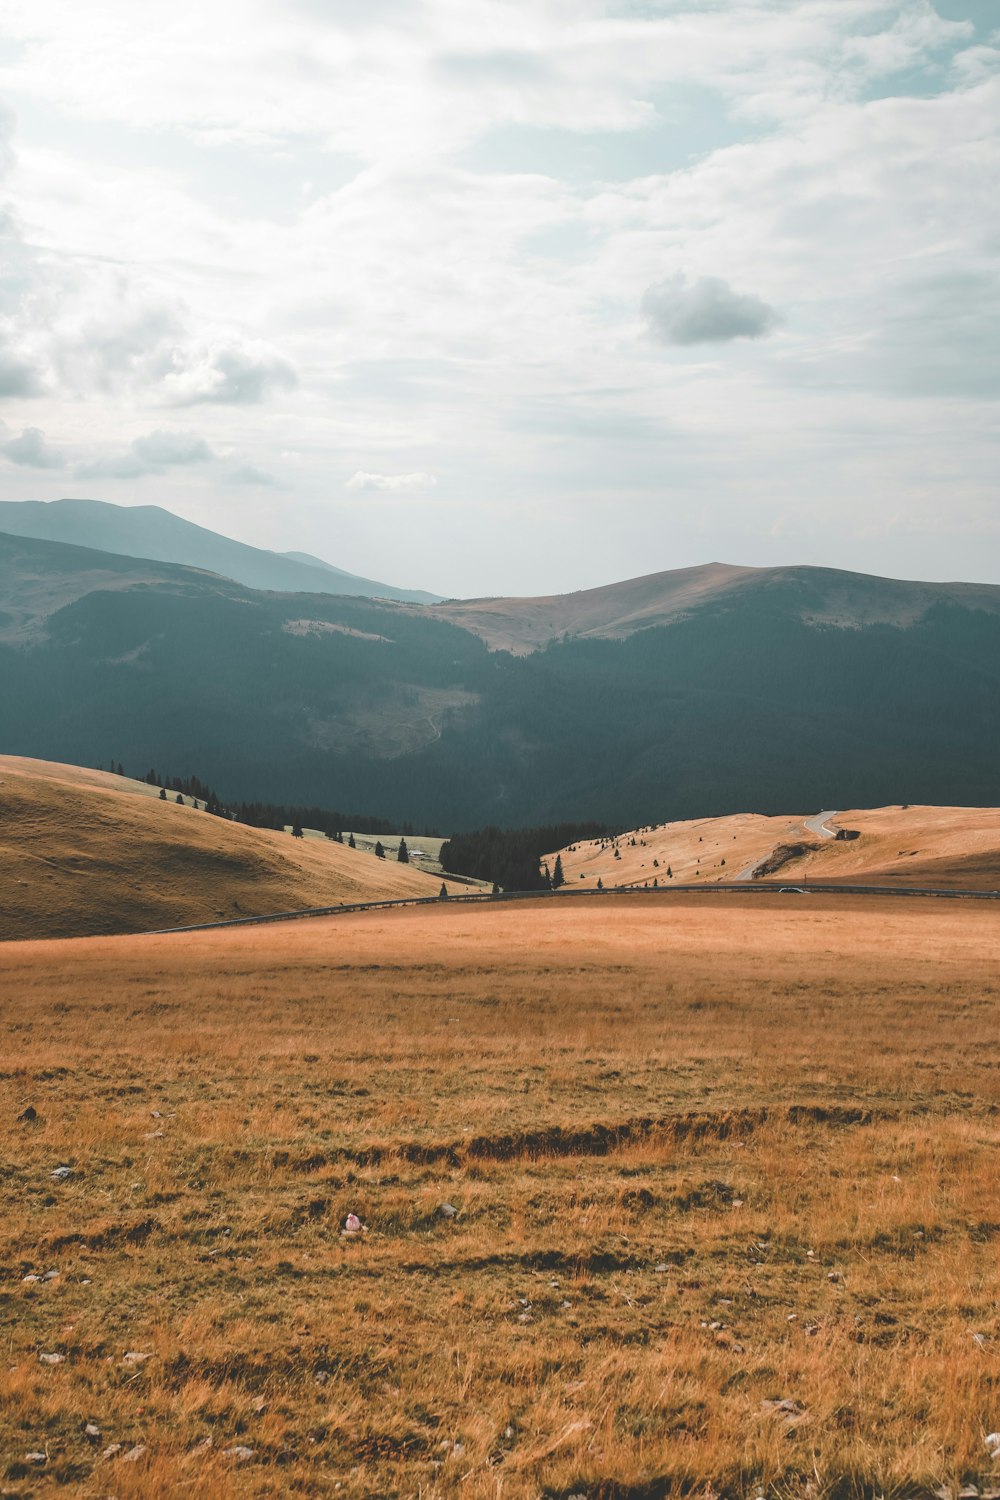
x=83 y=852
x=724 y=1175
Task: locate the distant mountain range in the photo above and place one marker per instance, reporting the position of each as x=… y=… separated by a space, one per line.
x=147 y=531
x=684 y=694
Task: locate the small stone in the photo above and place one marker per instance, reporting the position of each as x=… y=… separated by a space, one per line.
x=61 y=1173
x=36 y=1458
x=153 y=1135
x=112 y=1450
x=28 y=1116
x=239 y=1454
x=737 y=1203
x=322 y=1376
x=447 y=1210
x=135 y=1357
x=134 y=1454
x=980 y=1340
x=31 y=1277
x=52 y=1359
x=833 y=1275
x=661 y=1267
x=155 y=1113
x=92 y=1430
x=51 y=1276
x=525 y=1317
x=790 y=1412
x=993 y=1444
x=259 y=1405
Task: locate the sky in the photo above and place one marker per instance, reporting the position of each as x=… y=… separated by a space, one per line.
x=511 y=296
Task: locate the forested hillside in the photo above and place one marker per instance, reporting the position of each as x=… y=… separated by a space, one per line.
x=339 y=702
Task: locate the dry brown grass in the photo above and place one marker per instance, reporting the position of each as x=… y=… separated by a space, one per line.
x=922 y=846
x=83 y=852
x=705 y=1156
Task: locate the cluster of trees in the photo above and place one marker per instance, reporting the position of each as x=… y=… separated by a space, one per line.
x=512 y=858
x=274 y=815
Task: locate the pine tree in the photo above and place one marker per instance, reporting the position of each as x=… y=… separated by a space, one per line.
x=350 y=842
x=297 y=831
x=600 y=883
x=379 y=851
x=163 y=795
x=404 y=854
x=443 y=893
x=180 y=799
x=558 y=878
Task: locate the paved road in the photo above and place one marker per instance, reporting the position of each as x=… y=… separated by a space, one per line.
x=713 y=888
x=818 y=826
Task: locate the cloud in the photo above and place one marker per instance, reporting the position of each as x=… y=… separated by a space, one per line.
x=250 y=474
x=162 y=449
x=150 y=454
x=236 y=374
x=365 y=481
x=18 y=377
x=706 y=311
x=32 y=450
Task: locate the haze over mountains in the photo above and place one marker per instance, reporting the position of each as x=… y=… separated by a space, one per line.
x=683 y=694
x=148 y=531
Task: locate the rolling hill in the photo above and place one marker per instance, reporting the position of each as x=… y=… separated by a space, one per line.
x=944 y=847
x=147 y=531
x=84 y=852
x=680 y=697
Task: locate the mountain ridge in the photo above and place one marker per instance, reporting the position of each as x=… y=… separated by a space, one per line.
x=828 y=596
x=154 y=533
x=739 y=700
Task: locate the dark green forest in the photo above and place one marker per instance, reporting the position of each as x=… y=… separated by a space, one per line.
x=743 y=707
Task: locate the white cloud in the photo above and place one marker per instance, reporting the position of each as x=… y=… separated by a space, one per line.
x=704 y=311
x=493 y=185
x=392 y=482
x=238 y=375
x=32 y=450
x=151 y=454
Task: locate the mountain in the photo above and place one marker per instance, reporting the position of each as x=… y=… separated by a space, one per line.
x=761 y=690
x=818 y=596
x=147 y=531
x=85 y=852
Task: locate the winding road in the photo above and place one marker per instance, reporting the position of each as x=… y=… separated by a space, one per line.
x=818 y=826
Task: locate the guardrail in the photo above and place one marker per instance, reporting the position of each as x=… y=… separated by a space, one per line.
x=735 y=887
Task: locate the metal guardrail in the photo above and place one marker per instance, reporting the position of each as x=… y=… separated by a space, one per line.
x=736 y=887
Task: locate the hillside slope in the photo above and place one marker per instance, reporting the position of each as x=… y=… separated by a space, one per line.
x=945 y=847
x=83 y=852
x=148 y=531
